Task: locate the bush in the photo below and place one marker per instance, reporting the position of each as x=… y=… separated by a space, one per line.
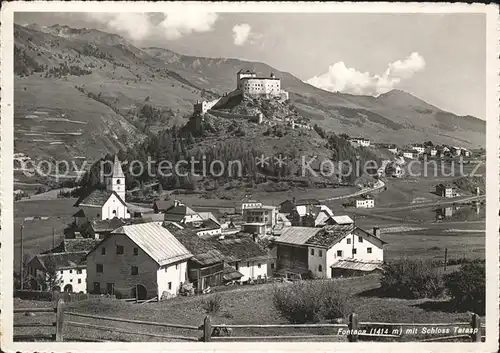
x=310 y=301
x=412 y=279
x=213 y=304
x=467 y=287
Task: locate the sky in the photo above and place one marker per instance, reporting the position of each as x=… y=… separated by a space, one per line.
x=437 y=57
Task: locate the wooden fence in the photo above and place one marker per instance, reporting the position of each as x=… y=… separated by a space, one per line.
x=57 y=324
x=354 y=329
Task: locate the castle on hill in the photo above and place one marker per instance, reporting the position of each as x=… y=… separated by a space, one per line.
x=248 y=85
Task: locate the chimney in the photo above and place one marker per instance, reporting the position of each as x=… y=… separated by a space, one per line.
x=176 y=203
x=376 y=232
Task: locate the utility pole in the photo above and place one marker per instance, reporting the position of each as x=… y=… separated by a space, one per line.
x=21 y=269
x=445 y=258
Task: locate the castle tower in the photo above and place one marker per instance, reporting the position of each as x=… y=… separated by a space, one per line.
x=116 y=182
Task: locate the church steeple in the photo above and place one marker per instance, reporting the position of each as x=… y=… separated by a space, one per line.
x=116 y=182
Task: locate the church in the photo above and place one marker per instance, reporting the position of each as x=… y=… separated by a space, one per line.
x=105 y=204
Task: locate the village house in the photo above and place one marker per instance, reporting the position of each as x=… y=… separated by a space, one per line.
x=431 y=151
x=100 y=229
x=394 y=170
x=419 y=148
x=181 y=213
x=206 y=267
x=393 y=150
x=68 y=260
x=365 y=201
x=264 y=218
x=141 y=260
x=456 y=151
x=410 y=154
x=328 y=252
x=105 y=204
x=205 y=227
x=160 y=206
x=359 y=141
x=69 y=268
x=246 y=255
x=446 y=190
x=245 y=203
x=296 y=209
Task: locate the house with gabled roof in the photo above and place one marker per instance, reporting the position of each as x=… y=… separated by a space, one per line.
x=318 y=252
x=105 y=204
x=139 y=260
x=68 y=260
x=181 y=213
x=69 y=268
x=160 y=206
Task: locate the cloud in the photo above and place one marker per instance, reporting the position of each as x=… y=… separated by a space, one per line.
x=176 y=25
x=341 y=78
x=171 y=25
x=241 y=33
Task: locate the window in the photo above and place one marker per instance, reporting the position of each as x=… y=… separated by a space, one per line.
x=136 y=252
x=118 y=181
x=98 y=215
x=70 y=271
x=169 y=285
x=71 y=279
x=62 y=272
x=103 y=251
x=79 y=280
x=320 y=268
x=258 y=266
x=248 y=264
x=272 y=266
x=360 y=239
x=99 y=268
x=369 y=250
x=320 y=253
x=348 y=240
x=354 y=251
x=237 y=266
x=119 y=249
x=312 y=252
x=79 y=272
x=134 y=270
x=339 y=253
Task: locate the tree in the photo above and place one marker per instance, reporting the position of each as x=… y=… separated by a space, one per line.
x=467 y=287
x=50 y=279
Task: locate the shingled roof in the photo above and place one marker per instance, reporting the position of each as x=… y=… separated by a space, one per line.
x=109 y=225
x=330 y=235
x=204 y=251
x=177 y=213
x=241 y=249
x=97 y=198
x=74 y=245
x=62 y=260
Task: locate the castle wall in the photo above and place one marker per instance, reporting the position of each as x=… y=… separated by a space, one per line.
x=269 y=87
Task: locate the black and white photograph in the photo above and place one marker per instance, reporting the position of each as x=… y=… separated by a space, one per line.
x=311 y=177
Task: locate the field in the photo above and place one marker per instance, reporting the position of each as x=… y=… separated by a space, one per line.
x=244 y=305
x=37 y=233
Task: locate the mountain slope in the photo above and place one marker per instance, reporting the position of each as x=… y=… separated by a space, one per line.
x=82 y=92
